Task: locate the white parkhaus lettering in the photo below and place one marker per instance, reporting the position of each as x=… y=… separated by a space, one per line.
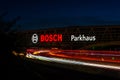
x=83 y=38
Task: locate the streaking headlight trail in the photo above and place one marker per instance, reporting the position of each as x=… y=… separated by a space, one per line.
x=73 y=62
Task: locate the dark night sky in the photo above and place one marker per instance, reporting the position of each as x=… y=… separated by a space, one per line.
x=37 y=14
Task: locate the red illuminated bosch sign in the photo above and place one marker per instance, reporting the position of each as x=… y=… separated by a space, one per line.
x=46 y=38
x=50 y=38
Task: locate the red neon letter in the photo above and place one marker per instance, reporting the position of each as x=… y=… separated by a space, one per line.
x=55 y=37
x=50 y=38
x=42 y=38
x=46 y=38
x=60 y=37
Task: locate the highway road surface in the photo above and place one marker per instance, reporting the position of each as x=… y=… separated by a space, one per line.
x=67 y=65
x=106 y=63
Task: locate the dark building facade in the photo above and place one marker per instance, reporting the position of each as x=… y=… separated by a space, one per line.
x=74 y=37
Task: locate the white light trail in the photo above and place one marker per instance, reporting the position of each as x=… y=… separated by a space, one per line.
x=66 y=61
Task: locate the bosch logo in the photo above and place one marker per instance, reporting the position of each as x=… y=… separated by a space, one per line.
x=46 y=38
x=51 y=38
x=34 y=38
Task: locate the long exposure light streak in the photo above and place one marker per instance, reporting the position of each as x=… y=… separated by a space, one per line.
x=73 y=62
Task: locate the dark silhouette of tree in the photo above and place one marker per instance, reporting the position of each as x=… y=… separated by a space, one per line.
x=12 y=66
x=6 y=26
x=7 y=37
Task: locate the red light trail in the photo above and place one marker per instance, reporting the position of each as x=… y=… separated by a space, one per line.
x=103 y=56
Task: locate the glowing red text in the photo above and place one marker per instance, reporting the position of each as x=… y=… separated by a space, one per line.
x=51 y=38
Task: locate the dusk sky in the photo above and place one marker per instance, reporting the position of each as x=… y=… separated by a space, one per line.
x=37 y=14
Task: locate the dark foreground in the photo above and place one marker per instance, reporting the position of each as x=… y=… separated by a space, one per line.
x=16 y=68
